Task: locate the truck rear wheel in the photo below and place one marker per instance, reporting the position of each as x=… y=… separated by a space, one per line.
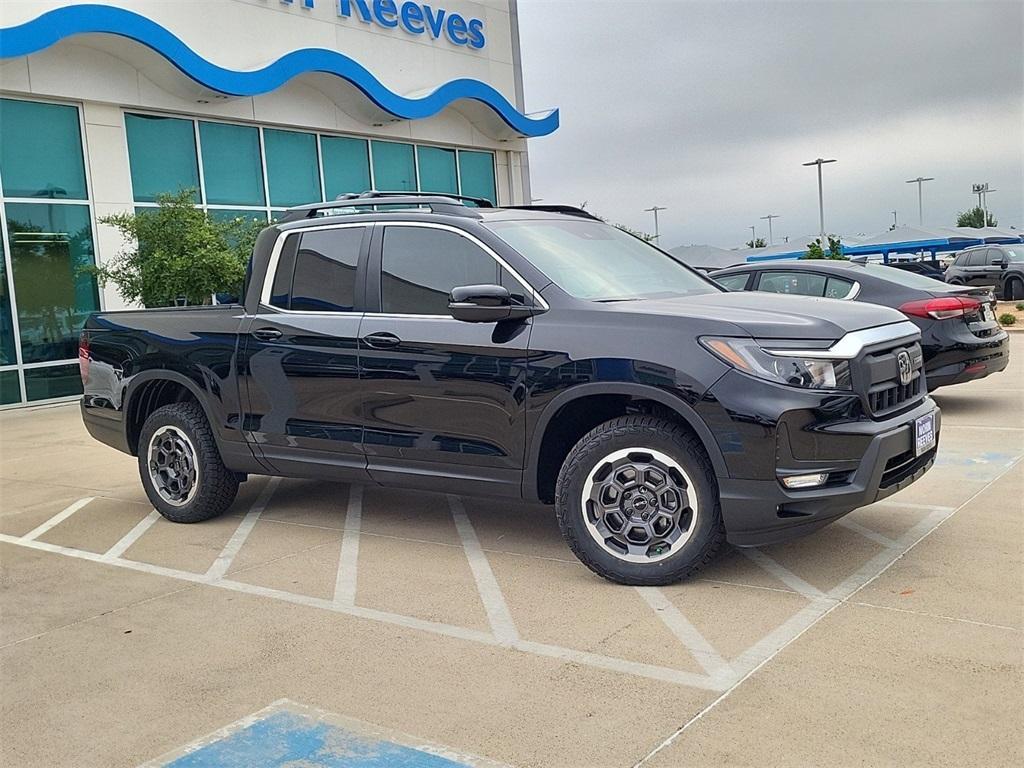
x=180 y=466
x=637 y=502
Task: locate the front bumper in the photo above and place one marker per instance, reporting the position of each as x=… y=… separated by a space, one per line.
x=866 y=459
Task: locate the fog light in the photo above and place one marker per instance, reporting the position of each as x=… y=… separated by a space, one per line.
x=805 y=481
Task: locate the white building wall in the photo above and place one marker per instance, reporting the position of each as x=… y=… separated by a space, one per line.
x=107 y=75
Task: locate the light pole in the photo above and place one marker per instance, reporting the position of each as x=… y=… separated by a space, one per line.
x=920 y=180
x=982 y=190
x=654 y=209
x=770 y=216
x=821 y=200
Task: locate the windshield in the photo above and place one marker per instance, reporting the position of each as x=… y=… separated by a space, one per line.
x=595 y=261
x=1013 y=255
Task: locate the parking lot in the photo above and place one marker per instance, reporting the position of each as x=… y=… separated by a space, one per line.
x=892 y=637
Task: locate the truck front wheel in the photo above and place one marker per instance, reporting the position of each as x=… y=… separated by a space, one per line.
x=181 y=468
x=637 y=502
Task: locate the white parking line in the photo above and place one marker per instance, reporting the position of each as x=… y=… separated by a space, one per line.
x=227 y=555
x=490 y=593
x=783 y=574
x=769 y=647
x=132 y=536
x=661 y=674
x=348 y=561
x=56 y=520
x=687 y=634
x=867 y=533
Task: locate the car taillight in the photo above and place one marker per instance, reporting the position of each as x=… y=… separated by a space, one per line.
x=942 y=309
x=83 y=356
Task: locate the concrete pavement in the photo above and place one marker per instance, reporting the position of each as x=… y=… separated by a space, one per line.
x=893 y=638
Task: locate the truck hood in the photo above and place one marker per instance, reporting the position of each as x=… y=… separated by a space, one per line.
x=771 y=316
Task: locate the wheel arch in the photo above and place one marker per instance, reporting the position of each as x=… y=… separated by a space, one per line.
x=534 y=477
x=151 y=389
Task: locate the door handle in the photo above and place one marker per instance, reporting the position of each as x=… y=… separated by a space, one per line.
x=382 y=340
x=267 y=334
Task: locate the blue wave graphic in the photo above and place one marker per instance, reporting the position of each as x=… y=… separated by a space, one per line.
x=61 y=23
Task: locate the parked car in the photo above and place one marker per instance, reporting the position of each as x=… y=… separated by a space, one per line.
x=929 y=268
x=960 y=337
x=522 y=352
x=999 y=266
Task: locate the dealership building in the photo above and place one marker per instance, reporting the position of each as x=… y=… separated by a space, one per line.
x=257 y=105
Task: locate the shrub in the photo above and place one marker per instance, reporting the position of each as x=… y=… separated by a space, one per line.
x=1020 y=306
x=176 y=251
x=1007 y=319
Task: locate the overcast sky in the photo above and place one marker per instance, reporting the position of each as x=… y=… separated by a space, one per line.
x=709 y=109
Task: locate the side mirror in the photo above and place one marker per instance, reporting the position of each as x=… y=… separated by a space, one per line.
x=486 y=304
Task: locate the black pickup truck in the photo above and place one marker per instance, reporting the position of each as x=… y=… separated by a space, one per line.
x=521 y=352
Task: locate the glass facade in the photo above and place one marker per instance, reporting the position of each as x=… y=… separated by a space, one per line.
x=247 y=170
x=45 y=293
x=236 y=170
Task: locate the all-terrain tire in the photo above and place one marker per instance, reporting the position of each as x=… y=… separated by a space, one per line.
x=640 y=432
x=215 y=485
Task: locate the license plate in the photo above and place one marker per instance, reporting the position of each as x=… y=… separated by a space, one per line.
x=924 y=433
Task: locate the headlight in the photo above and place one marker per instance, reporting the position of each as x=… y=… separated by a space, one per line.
x=747 y=356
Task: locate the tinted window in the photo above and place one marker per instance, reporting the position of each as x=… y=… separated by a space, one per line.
x=420 y=267
x=902 y=277
x=796 y=283
x=978 y=258
x=837 y=288
x=324 y=278
x=281 y=292
x=732 y=282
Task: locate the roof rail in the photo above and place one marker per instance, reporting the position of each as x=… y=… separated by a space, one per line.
x=437 y=203
x=479 y=202
x=568 y=210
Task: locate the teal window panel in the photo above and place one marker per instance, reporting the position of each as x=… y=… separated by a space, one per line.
x=346 y=165
x=8 y=355
x=476 y=170
x=10 y=388
x=232 y=166
x=162 y=156
x=41 y=150
x=394 y=167
x=293 y=173
x=53 y=381
x=50 y=244
x=437 y=170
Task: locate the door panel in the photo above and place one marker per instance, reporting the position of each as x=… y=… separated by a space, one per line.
x=446 y=393
x=443 y=399
x=301 y=358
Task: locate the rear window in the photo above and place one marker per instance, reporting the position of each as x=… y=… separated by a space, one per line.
x=902 y=277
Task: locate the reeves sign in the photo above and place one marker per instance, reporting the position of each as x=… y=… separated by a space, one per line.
x=415 y=18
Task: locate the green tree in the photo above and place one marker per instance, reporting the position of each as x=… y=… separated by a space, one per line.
x=975 y=218
x=816 y=250
x=176 y=251
x=759 y=243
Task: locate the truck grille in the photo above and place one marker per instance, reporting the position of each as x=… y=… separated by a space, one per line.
x=893 y=396
x=884 y=392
